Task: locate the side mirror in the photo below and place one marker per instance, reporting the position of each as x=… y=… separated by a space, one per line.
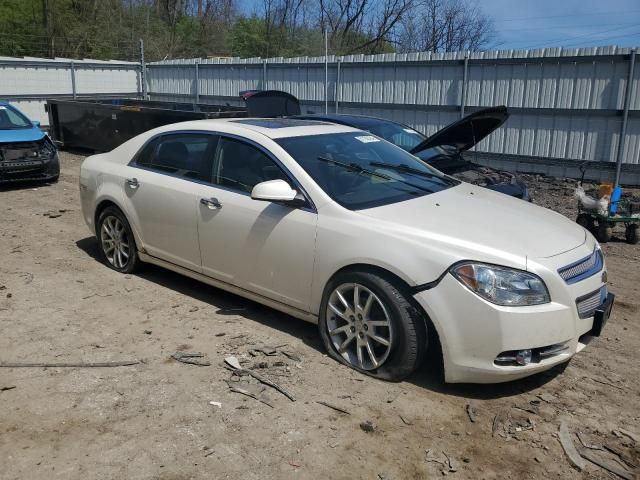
x=36 y=123
x=273 y=191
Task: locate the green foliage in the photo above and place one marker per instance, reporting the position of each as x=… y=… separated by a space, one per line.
x=111 y=29
x=248 y=37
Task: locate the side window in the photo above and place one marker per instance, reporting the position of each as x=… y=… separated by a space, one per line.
x=241 y=166
x=187 y=155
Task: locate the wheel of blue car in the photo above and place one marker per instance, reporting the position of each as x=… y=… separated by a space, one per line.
x=367 y=323
x=116 y=241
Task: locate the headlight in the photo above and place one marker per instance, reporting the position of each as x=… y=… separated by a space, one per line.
x=502 y=286
x=46 y=149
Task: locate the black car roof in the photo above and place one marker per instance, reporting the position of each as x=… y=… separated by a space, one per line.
x=357 y=121
x=277 y=122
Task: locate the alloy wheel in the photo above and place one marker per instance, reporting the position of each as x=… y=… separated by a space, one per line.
x=115 y=242
x=359 y=326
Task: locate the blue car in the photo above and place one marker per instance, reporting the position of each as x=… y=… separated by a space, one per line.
x=27 y=154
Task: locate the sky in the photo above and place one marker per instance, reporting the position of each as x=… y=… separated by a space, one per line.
x=521 y=24
x=564 y=23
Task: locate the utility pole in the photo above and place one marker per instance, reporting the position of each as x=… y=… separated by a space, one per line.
x=143 y=71
x=625 y=116
x=326 y=72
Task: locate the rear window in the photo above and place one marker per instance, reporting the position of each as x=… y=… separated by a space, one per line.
x=186 y=155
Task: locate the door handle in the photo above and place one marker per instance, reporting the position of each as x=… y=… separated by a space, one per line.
x=211 y=203
x=133 y=183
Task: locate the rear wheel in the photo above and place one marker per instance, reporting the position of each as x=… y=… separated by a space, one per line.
x=116 y=241
x=367 y=323
x=631 y=233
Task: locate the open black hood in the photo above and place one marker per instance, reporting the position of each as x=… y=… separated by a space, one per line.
x=468 y=131
x=270 y=103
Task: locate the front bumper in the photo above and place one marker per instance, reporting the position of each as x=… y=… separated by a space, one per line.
x=474 y=333
x=30 y=170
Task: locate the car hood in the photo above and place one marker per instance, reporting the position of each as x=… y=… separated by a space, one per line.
x=479 y=221
x=466 y=132
x=21 y=135
x=270 y=103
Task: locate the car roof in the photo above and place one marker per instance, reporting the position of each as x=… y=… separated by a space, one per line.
x=272 y=127
x=357 y=121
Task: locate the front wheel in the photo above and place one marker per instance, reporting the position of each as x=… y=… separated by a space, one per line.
x=116 y=241
x=367 y=323
x=605 y=232
x=586 y=221
x=631 y=234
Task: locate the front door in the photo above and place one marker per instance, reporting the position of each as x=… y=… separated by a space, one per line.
x=267 y=248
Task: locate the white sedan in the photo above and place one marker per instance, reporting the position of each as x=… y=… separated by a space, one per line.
x=335 y=226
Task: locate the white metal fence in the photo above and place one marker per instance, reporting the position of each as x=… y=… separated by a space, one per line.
x=565 y=104
x=27 y=82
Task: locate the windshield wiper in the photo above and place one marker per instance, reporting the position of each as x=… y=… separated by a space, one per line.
x=405 y=169
x=354 y=167
x=413 y=171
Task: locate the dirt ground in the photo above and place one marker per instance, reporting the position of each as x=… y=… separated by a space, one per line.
x=155 y=420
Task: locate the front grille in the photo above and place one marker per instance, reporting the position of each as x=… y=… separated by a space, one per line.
x=588 y=303
x=26 y=151
x=583 y=268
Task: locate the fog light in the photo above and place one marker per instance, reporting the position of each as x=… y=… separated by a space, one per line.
x=523 y=357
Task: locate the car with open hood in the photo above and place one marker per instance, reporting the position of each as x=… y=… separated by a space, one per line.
x=330 y=224
x=444 y=149
x=27 y=154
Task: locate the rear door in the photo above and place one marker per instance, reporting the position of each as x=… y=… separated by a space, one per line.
x=267 y=248
x=162 y=196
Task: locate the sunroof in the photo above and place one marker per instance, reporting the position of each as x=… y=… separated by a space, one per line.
x=276 y=122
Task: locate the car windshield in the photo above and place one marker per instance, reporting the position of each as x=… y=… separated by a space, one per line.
x=361 y=171
x=11 y=119
x=398 y=134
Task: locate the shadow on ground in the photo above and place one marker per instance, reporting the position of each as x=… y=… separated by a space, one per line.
x=429 y=376
x=8 y=186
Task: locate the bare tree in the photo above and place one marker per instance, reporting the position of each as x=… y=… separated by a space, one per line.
x=361 y=25
x=282 y=18
x=445 y=26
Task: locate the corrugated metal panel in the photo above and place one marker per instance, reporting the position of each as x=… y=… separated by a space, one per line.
x=28 y=81
x=563 y=82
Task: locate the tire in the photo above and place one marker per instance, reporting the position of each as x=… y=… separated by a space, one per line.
x=405 y=333
x=605 y=232
x=124 y=256
x=586 y=221
x=631 y=233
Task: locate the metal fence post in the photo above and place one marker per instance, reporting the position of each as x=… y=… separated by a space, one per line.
x=625 y=115
x=73 y=80
x=143 y=71
x=197 y=80
x=463 y=99
x=337 y=83
x=264 y=74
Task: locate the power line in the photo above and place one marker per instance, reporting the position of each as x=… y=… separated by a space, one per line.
x=586 y=36
x=569 y=15
x=608 y=38
x=553 y=27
